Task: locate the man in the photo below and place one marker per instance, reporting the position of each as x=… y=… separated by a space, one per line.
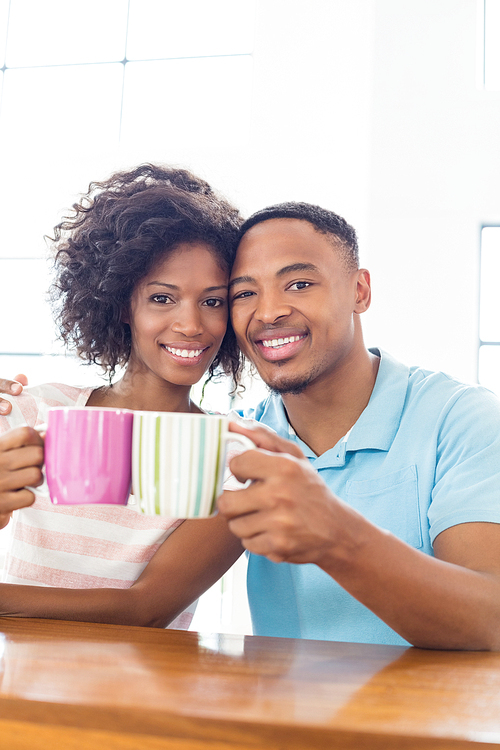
x=387 y=531
x=402 y=464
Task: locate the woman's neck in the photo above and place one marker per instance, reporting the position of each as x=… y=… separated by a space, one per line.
x=144 y=394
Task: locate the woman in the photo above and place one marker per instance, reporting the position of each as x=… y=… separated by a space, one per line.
x=141 y=283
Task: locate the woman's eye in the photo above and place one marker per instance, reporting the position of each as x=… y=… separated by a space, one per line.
x=163 y=299
x=214 y=302
x=300 y=285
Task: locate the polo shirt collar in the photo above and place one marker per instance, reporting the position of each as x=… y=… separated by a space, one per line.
x=378 y=424
x=376 y=427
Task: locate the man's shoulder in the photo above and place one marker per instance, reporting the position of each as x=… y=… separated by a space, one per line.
x=440 y=387
x=435 y=386
x=269 y=411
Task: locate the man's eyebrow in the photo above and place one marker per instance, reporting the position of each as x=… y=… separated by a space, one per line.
x=298 y=268
x=241 y=280
x=293 y=268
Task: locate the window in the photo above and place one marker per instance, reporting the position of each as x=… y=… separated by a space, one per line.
x=490 y=62
x=86 y=89
x=489 y=313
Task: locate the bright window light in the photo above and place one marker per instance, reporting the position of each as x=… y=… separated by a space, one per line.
x=188 y=101
x=492 y=45
x=4 y=14
x=58 y=32
x=54 y=108
x=489 y=368
x=220 y=27
x=28 y=279
x=73 y=109
x=489 y=318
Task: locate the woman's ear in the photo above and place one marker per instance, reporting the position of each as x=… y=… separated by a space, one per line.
x=363 y=291
x=125 y=316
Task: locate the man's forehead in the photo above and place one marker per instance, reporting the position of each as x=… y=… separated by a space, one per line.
x=273 y=228
x=279 y=242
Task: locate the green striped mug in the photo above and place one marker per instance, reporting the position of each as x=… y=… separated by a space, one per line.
x=178 y=462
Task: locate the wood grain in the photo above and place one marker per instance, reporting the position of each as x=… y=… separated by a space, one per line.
x=85 y=685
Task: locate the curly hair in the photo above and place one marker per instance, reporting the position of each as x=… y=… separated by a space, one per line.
x=119 y=230
x=323 y=220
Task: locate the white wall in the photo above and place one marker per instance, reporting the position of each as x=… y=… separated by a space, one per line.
x=435 y=162
x=371 y=108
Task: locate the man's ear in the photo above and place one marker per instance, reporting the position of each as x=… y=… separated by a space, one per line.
x=363 y=291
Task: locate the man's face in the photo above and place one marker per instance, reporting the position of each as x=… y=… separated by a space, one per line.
x=294 y=303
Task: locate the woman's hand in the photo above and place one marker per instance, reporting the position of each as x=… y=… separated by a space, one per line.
x=21 y=460
x=13 y=388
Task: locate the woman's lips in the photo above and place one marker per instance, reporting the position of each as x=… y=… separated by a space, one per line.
x=184 y=354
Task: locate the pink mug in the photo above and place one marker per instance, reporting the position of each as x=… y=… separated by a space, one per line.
x=88 y=455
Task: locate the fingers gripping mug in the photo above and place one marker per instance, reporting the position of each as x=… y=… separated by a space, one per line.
x=87 y=455
x=178 y=462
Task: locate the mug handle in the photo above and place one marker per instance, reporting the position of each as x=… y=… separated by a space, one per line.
x=41 y=428
x=248 y=444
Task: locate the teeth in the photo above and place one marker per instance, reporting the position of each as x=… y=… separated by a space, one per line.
x=186 y=353
x=281 y=342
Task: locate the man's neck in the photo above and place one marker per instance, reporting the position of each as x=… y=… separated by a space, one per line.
x=327 y=409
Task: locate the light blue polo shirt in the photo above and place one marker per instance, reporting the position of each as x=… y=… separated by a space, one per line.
x=423 y=456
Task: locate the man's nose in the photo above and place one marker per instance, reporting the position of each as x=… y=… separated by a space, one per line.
x=271 y=307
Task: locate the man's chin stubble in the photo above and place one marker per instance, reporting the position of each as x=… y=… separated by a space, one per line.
x=289 y=387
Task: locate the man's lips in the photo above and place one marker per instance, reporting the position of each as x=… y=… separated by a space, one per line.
x=280 y=345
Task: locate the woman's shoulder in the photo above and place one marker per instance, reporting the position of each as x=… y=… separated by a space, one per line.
x=31 y=406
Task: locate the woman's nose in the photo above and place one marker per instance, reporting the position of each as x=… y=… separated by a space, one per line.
x=188 y=322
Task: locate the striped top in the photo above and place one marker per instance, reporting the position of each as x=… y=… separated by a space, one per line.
x=79 y=546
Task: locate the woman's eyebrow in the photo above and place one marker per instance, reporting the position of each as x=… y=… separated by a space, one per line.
x=177 y=288
x=162 y=283
x=215 y=288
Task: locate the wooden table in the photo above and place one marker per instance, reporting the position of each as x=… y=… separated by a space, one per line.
x=69 y=685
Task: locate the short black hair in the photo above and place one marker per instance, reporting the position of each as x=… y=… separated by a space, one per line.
x=323 y=220
x=117 y=232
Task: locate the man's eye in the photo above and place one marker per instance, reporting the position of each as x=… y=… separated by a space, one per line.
x=214 y=302
x=300 y=285
x=242 y=295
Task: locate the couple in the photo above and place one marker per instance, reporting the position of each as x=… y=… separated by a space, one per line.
x=374 y=512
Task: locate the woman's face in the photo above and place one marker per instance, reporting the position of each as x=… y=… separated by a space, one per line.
x=178 y=315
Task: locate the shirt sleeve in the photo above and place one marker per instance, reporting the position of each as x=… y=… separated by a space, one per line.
x=24 y=411
x=467 y=481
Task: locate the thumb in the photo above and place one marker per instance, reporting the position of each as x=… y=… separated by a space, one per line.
x=266 y=439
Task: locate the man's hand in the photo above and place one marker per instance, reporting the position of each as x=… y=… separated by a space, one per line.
x=12 y=387
x=21 y=459
x=287 y=513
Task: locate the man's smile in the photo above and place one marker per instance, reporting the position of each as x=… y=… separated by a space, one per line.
x=279 y=342
x=275 y=345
